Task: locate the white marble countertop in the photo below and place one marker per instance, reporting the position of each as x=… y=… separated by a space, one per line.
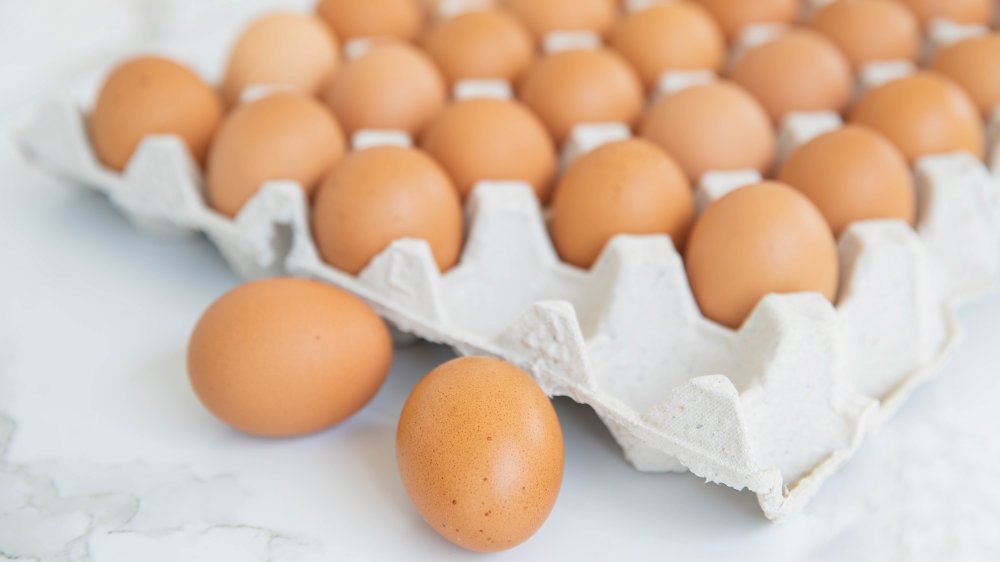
x=106 y=455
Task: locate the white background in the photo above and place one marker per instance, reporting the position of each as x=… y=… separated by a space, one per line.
x=110 y=457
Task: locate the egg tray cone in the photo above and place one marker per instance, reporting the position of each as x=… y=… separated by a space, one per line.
x=775 y=407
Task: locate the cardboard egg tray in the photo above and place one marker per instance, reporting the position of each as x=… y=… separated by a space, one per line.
x=775 y=407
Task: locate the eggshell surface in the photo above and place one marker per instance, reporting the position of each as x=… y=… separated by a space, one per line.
x=799 y=70
x=870 y=30
x=392 y=86
x=974 y=64
x=712 y=127
x=283 y=49
x=546 y=16
x=480 y=452
x=283 y=136
x=492 y=139
x=283 y=357
x=488 y=44
x=760 y=239
x=852 y=174
x=582 y=86
x=625 y=187
x=735 y=15
x=355 y=19
x=382 y=194
x=957 y=11
x=673 y=36
x=152 y=95
x=922 y=114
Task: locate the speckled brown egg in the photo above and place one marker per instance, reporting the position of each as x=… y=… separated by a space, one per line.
x=760 y=239
x=958 y=11
x=735 y=15
x=285 y=49
x=673 y=36
x=922 y=114
x=382 y=194
x=492 y=139
x=480 y=452
x=870 y=30
x=546 y=16
x=712 y=127
x=355 y=19
x=392 y=86
x=625 y=187
x=799 y=70
x=152 y=96
x=283 y=136
x=582 y=86
x=487 y=44
x=974 y=63
x=852 y=174
x=283 y=357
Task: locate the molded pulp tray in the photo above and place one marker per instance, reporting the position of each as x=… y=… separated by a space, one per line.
x=775 y=407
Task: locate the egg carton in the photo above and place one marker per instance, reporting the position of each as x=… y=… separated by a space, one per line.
x=774 y=407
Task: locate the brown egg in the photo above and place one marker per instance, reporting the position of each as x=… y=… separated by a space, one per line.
x=355 y=19
x=480 y=453
x=546 y=16
x=958 y=11
x=712 y=127
x=975 y=64
x=852 y=174
x=760 y=239
x=797 y=71
x=488 y=44
x=392 y=86
x=870 y=30
x=922 y=114
x=152 y=96
x=582 y=86
x=492 y=139
x=673 y=36
x=735 y=15
x=283 y=136
x=625 y=187
x=283 y=357
x=382 y=194
x=283 y=49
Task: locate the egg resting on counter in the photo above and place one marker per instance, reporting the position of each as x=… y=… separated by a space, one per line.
x=852 y=174
x=547 y=16
x=480 y=452
x=578 y=86
x=974 y=63
x=392 y=86
x=283 y=49
x=870 y=30
x=152 y=95
x=712 y=127
x=922 y=114
x=477 y=45
x=799 y=70
x=283 y=357
x=356 y=19
x=735 y=15
x=282 y=136
x=673 y=36
x=625 y=187
x=379 y=195
x=492 y=139
x=759 y=239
